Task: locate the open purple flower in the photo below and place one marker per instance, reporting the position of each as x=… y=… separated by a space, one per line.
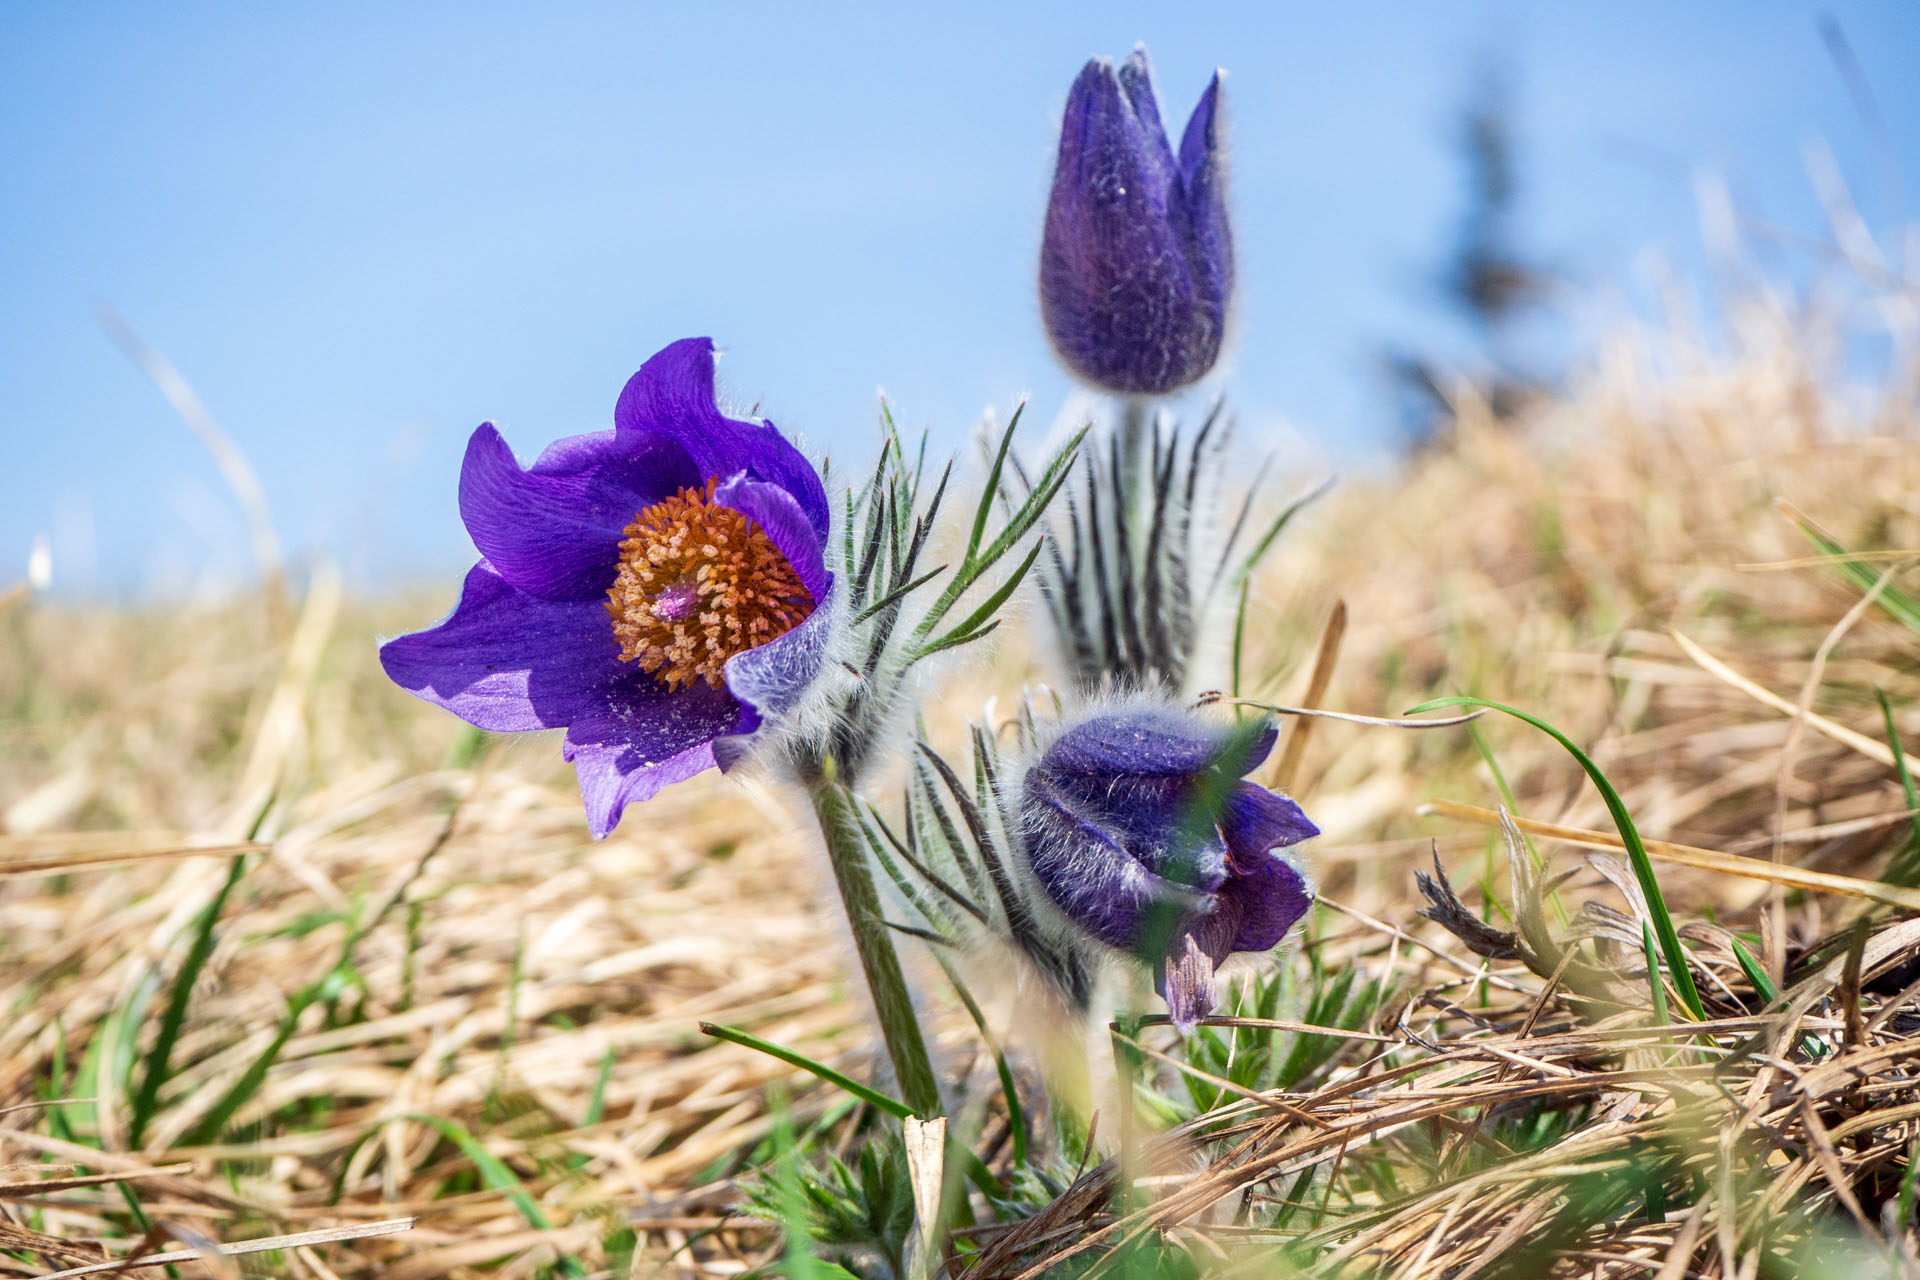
x=659 y=590
x=1136 y=263
x=1141 y=828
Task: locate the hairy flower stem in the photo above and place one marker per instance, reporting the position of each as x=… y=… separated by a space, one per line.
x=1136 y=473
x=899 y=1025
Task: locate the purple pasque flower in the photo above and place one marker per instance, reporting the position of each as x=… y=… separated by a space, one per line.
x=659 y=590
x=1136 y=264
x=1140 y=826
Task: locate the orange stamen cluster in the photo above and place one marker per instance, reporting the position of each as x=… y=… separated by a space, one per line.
x=698 y=583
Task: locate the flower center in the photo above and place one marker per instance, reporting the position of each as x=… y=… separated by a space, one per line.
x=698 y=583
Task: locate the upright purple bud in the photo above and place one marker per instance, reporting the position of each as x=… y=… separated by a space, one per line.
x=1137 y=262
x=1140 y=826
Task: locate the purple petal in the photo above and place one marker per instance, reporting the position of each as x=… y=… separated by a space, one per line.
x=770 y=680
x=1267 y=898
x=1257 y=820
x=731 y=749
x=1203 y=198
x=1143 y=776
x=1084 y=869
x=554 y=529
x=1186 y=980
x=624 y=751
x=1200 y=143
x=508 y=661
x=1149 y=743
x=1200 y=945
x=1136 y=82
x=777 y=512
x=1113 y=175
x=1257 y=751
x=606 y=789
x=672 y=398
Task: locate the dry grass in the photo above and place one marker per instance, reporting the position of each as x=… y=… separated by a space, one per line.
x=513 y=956
x=1603 y=568
x=499 y=957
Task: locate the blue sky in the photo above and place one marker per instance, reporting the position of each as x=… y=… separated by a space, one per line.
x=361 y=230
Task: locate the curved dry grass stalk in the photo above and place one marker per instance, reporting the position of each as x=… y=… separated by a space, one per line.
x=241 y=478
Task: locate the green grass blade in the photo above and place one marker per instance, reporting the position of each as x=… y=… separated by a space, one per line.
x=1905 y=867
x=1658 y=987
x=1763 y=985
x=820 y=1070
x=497 y=1176
x=1862 y=574
x=596 y=1105
x=214 y=1123
x=1756 y=972
x=160 y=1058
x=1907 y=1183
x=1016 y=1114
x=802 y=1261
x=63 y=1129
x=1240 y=635
x=128 y=1020
x=493 y=1170
x=977 y=1172
x=1669 y=937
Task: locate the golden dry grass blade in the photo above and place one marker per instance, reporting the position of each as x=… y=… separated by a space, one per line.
x=63 y=864
x=239 y=474
x=1892 y=895
x=1300 y=730
x=1830 y=561
x=457 y=1257
x=1802 y=711
x=60 y=1181
x=1869 y=747
x=332 y=1235
x=280 y=728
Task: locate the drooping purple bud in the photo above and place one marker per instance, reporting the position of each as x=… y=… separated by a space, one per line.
x=1140 y=826
x=1136 y=264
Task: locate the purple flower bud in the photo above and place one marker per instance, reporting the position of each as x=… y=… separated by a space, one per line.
x=1137 y=261
x=1141 y=828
